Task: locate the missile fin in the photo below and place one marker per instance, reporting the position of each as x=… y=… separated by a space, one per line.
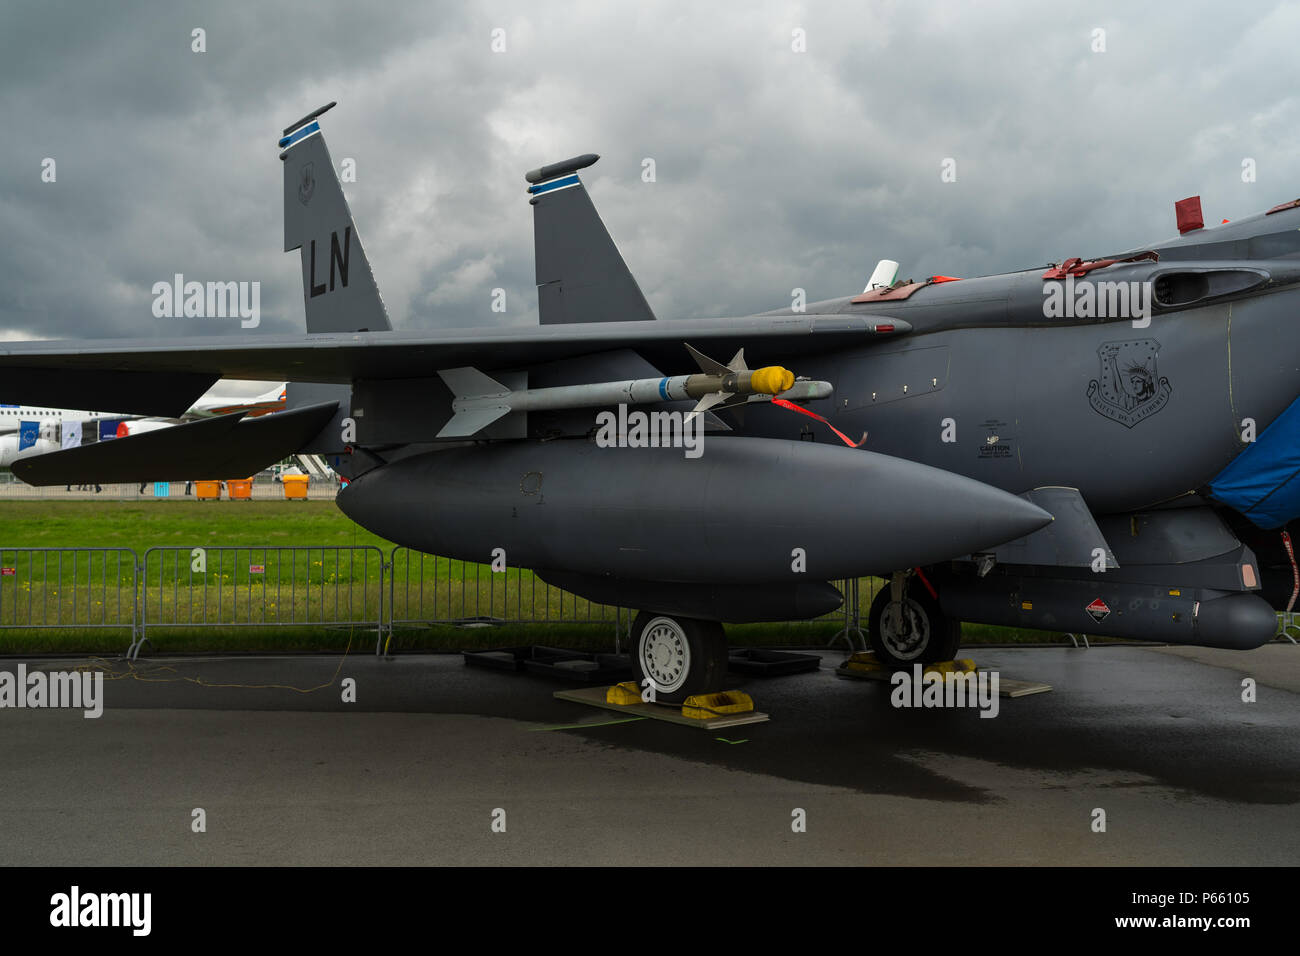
x=707 y=402
x=472 y=421
x=706 y=364
x=469 y=382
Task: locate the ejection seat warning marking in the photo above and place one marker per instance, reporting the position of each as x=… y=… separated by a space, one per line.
x=1098 y=610
x=995 y=440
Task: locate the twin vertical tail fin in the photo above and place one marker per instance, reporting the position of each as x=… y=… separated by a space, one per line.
x=581 y=276
x=338 y=285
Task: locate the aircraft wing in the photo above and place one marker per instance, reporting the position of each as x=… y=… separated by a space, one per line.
x=164 y=378
x=592 y=313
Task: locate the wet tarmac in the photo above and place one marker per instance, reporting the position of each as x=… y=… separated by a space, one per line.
x=432 y=753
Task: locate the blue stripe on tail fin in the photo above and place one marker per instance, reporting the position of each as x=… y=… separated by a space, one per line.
x=581 y=276
x=338 y=286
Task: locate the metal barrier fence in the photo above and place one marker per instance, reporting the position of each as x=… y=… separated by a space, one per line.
x=68 y=588
x=330 y=586
x=427 y=589
x=262 y=587
x=239 y=586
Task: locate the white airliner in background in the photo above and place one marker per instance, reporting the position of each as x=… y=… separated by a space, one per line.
x=222 y=399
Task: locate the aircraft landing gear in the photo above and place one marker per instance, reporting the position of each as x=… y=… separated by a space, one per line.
x=907 y=627
x=683 y=656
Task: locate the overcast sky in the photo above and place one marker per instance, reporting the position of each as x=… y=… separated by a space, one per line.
x=775 y=169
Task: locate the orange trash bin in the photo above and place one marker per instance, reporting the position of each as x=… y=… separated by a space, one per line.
x=207 y=490
x=295 y=486
x=240 y=489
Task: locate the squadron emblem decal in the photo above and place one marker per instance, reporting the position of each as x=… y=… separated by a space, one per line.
x=306 y=183
x=1129 y=388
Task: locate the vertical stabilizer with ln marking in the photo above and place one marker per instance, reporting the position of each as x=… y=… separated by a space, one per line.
x=337 y=285
x=581 y=276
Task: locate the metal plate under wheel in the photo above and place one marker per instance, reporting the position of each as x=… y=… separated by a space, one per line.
x=759 y=662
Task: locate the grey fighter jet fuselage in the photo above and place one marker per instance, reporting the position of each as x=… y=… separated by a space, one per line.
x=1100 y=446
x=1030 y=396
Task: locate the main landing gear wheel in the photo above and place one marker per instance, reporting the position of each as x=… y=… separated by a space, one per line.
x=683 y=656
x=911 y=631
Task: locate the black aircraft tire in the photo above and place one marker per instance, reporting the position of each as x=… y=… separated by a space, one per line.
x=686 y=656
x=929 y=637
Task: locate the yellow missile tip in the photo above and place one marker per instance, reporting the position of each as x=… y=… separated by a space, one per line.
x=771 y=380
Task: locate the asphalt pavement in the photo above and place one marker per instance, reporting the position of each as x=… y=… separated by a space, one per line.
x=432 y=754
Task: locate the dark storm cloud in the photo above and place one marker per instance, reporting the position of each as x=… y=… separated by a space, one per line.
x=774 y=169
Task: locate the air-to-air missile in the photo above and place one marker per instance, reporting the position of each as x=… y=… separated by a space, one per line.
x=480 y=400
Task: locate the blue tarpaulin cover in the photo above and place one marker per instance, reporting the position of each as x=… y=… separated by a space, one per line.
x=1263 y=482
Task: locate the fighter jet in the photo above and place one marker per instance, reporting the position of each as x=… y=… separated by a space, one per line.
x=1096 y=444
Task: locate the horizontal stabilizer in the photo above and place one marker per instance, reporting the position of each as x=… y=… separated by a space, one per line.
x=330 y=439
x=158 y=394
x=222 y=447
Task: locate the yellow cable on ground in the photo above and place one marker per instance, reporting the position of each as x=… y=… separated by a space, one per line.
x=143 y=675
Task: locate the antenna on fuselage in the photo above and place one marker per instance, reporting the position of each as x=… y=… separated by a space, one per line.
x=883 y=276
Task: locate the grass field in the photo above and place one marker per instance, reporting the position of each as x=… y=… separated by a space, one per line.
x=147 y=524
x=293 y=576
